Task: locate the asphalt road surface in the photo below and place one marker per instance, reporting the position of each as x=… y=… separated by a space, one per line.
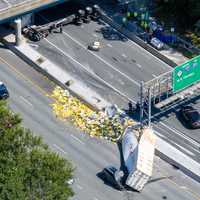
x=114 y=72
x=28 y=96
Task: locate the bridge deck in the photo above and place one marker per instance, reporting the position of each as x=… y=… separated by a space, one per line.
x=12 y=8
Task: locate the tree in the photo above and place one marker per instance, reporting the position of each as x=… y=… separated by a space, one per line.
x=28 y=169
x=188 y=11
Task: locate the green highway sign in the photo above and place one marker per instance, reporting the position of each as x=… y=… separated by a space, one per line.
x=186 y=74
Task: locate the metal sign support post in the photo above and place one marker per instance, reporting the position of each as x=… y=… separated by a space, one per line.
x=141 y=103
x=149 y=107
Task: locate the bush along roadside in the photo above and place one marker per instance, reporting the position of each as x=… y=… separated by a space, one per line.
x=29 y=169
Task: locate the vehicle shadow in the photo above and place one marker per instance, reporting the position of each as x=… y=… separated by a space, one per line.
x=183 y=123
x=105 y=181
x=109 y=33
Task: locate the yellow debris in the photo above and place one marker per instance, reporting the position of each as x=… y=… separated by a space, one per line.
x=94 y=123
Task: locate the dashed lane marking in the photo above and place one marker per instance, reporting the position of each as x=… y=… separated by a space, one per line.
x=140 y=66
x=92 y=74
x=77 y=139
x=59 y=149
x=26 y=101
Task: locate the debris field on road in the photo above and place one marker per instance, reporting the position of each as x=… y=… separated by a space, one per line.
x=109 y=123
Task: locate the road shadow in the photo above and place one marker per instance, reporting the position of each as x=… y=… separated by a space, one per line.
x=110 y=34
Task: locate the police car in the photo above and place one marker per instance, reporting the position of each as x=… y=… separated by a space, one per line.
x=4 y=94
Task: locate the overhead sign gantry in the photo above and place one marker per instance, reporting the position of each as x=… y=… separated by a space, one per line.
x=170 y=89
x=186 y=74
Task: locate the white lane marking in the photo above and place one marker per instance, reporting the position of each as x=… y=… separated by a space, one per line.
x=143 y=50
x=95 y=198
x=94 y=34
x=59 y=148
x=109 y=45
x=94 y=75
x=184 y=149
x=160 y=135
x=79 y=187
x=180 y=134
x=26 y=101
x=166 y=131
x=108 y=64
x=124 y=55
x=154 y=75
x=140 y=66
x=77 y=139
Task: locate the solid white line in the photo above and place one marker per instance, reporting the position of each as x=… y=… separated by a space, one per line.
x=180 y=134
x=26 y=101
x=94 y=75
x=154 y=75
x=59 y=148
x=108 y=64
x=184 y=149
x=165 y=130
x=159 y=134
x=77 y=139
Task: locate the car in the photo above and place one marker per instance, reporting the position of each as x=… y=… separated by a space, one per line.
x=109 y=175
x=95 y=46
x=191 y=116
x=4 y=94
x=155 y=42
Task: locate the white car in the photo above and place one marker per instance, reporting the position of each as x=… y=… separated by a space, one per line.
x=156 y=43
x=95 y=46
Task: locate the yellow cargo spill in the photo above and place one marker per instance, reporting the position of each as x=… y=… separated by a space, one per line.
x=94 y=123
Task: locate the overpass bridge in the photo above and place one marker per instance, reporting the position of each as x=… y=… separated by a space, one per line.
x=11 y=9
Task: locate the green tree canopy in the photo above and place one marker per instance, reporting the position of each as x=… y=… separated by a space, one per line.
x=28 y=169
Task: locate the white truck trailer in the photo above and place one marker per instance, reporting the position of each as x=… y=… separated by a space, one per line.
x=138 y=156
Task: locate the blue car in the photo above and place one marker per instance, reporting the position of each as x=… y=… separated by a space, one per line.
x=4 y=94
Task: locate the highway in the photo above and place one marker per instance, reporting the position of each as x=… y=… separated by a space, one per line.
x=114 y=72
x=29 y=97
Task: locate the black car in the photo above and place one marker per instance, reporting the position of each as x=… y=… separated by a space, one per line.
x=191 y=116
x=4 y=94
x=109 y=176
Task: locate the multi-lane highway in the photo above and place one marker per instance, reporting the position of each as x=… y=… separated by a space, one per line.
x=28 y=96
x=114 y=72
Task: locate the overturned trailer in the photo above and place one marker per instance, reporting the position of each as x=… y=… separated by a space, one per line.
x=138 y=156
